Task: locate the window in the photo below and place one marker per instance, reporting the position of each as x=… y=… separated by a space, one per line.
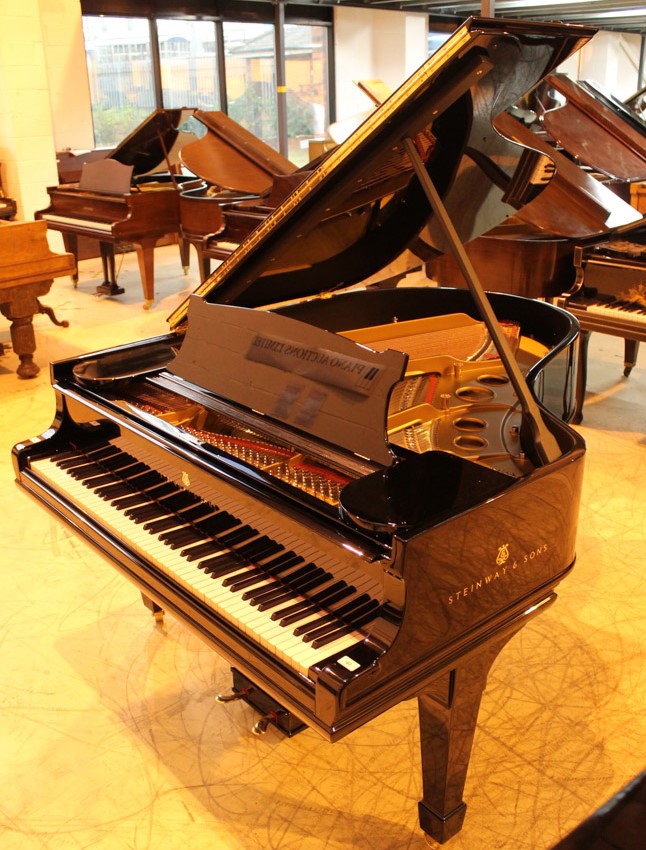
x=306 y=76
x=188 y=62
x=250 y=63
x=136 y=64
x=120 y=71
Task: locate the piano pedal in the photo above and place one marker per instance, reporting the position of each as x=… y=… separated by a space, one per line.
x=272 y=712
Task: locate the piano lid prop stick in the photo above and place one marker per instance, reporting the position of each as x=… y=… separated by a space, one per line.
x=544 y=447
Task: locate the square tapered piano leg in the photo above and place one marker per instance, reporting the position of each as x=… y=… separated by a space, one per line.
x=448 y=713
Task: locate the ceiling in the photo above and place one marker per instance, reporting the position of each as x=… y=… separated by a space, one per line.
x=615 y=15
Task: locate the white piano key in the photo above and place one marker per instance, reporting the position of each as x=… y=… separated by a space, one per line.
x=258 y=625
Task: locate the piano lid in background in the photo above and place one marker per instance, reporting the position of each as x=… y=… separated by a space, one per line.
x=155 y=144
x=362 y=206
x=599 y=130
x=231 y=157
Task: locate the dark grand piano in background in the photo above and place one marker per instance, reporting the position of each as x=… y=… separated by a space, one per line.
x=237 y=167
x=359 y=498
x=124 y=198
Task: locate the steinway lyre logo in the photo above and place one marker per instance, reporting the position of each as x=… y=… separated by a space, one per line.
x=503 y=554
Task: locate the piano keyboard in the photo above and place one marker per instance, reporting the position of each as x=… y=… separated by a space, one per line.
x=297 y=603
x=103 y=226
x=629 y=310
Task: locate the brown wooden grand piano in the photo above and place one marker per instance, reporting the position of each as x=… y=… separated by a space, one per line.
x=608 y=294
x=359 y=498
x=578 y=242
x=238 y=168
x=123 y=198
x=27 y=270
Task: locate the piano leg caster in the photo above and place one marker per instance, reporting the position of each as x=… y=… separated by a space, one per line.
x=27 y=368
x=109 y=288
x=148 y=303
x=272 y=711
x=156 y=610
x=631 y=347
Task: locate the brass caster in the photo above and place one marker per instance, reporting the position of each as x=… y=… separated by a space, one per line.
x=148 y=303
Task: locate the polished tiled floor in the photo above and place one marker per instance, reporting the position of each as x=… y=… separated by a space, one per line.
x=109 y=733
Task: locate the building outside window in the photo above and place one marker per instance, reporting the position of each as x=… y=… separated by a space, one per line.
x=122 y=51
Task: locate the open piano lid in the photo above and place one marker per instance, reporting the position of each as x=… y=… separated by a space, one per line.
x=363 y=205
x=357 y=212
x=155 y=143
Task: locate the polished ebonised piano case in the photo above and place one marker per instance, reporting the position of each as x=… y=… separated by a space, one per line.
x=357 y=498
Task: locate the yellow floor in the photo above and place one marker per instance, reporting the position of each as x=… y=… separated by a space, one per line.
x=110 y=736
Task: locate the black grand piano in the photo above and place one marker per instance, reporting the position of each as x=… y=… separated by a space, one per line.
x=125 y=197
x=356 y=498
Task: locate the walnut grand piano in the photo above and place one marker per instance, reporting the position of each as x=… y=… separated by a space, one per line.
x=356 y=499
x=124 y=198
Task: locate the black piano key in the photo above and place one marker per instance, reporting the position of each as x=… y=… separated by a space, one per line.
x=85 y=471
x=147 y=496
x=68 y=460
x=328 y=596
x=338 y=614
x=102 y=480
x=225 y=565
x=219 y=543
x=367 y=613
x=293 y=613
x=161 y=507
x=190 y=514
x=260 y=547
x=113 y=491
x=291 y=584
x=275 y=566
x=218 y=523
x=248 y=579
x=147 y=480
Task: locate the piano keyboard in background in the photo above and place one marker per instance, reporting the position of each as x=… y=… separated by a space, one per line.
x=89 y=224
x=300 y=605
x=612 y=309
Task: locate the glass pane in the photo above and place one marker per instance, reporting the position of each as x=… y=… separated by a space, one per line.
x=251 y=78
x=306 y=75
x=120 y=73
x=189 y=69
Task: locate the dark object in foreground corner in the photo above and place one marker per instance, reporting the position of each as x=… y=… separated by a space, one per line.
x=620 y=824
x=358 y=499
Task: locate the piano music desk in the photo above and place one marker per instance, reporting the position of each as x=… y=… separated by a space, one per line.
x=26 y=273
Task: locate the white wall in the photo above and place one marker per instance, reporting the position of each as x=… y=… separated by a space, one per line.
x=374 y=44
x=69 y=89
x=26 y=135
x=44 y=98
x=610 y=59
